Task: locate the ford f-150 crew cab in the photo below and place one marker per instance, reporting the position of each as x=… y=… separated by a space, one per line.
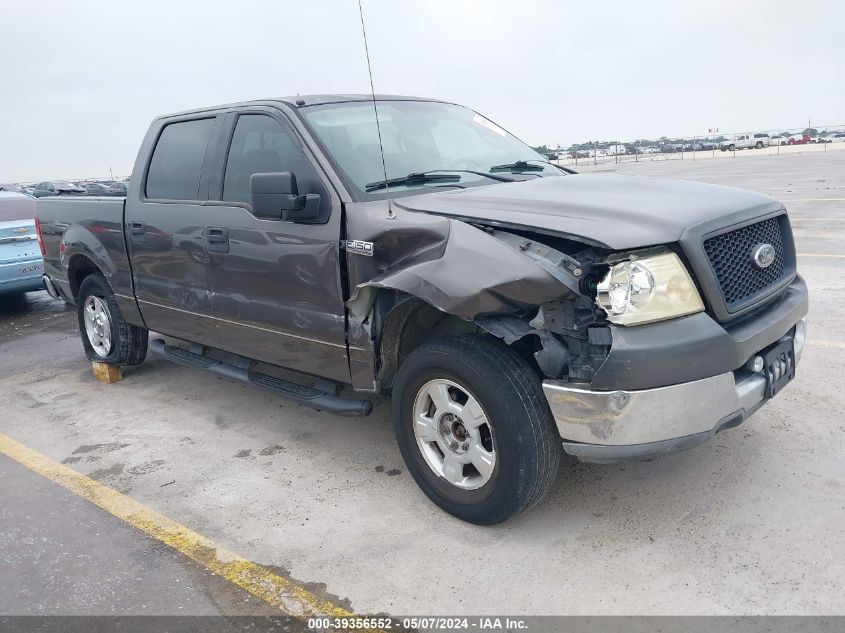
x=511 y=308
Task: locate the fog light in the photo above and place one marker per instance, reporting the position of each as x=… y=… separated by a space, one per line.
x=755 y=364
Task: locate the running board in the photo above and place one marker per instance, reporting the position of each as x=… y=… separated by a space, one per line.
x=307 y=396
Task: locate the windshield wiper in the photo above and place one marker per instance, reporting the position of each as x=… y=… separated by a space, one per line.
x=432 y=175
x=411 y=179
x=518 y=166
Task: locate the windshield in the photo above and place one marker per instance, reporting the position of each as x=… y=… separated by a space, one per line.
x=419 y=137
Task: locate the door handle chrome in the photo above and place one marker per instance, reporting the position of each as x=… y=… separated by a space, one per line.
x=217 y=238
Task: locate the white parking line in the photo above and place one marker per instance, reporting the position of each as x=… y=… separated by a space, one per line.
x=821 y=255
x=802 y=188
x=836 y=344
x=790 y=178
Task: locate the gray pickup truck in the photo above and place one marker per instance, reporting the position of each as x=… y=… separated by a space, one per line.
x=511 y=308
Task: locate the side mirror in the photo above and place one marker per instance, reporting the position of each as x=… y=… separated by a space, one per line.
x=275 y=196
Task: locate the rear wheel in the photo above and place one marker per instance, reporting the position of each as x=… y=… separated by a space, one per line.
x=759 y=145
x=474 y=428
x=106 y=336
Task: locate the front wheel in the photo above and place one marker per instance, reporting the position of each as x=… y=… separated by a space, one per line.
x=474 y=428
x=106 y=336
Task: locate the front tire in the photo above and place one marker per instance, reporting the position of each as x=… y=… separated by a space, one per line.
x=106 y=336
x=474 y=428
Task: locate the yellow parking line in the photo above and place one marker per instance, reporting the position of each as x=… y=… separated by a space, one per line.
x=821 y=343
x=820 y=255
x=291 y=598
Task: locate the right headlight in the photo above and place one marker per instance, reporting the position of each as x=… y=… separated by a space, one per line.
x=648 y=289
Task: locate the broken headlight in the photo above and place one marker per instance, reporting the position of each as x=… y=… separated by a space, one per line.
x=648 y=289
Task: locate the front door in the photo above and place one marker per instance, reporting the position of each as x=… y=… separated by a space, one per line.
x=276 y=288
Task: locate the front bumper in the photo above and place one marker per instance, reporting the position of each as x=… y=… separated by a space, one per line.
x=618 y=425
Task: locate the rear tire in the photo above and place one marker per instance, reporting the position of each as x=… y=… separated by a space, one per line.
x=494 y=408
x=106 y=336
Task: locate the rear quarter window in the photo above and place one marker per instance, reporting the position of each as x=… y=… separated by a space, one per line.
x=175 y=167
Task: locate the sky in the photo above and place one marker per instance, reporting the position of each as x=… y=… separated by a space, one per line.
x=82 y=80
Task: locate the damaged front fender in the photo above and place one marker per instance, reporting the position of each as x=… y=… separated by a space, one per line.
x=451 y=265
x=495 y=280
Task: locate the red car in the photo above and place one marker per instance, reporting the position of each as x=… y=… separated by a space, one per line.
x=799 y=139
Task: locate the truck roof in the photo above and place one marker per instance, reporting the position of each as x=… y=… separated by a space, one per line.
x=301 y=101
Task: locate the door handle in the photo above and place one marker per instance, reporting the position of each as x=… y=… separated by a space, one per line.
x=217 y=239
x=138 y=232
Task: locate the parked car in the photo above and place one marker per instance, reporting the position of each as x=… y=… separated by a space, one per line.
x=94 y=188
x=799 y=139
x=13 y=188
x=21 y=264
x=116 y=189
x=838 y=137
x=647 y=149
x=746 y=141
x=56 y=188
x=513 y=308
x=617 y=149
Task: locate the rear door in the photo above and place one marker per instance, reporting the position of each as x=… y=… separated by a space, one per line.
x=275 y=285
x=165 y=230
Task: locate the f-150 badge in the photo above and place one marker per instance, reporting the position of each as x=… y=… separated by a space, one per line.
x=357 y=246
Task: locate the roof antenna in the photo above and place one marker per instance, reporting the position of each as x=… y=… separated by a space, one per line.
x=390 y=214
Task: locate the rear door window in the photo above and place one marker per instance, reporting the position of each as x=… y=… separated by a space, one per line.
x=177 y=160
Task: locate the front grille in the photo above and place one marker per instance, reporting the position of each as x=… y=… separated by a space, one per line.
x=731 y=255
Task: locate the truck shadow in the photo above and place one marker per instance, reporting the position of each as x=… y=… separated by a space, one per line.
x=31 y=312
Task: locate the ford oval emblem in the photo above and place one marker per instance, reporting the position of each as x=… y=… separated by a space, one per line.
x=763 y=255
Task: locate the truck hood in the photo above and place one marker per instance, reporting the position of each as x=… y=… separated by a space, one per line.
x=608 y=210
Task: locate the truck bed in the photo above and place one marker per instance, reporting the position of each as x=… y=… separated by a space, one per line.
x=89 y=226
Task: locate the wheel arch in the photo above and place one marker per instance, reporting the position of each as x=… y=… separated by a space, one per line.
x=85 y=253
x=79 y=267
x=410 y=321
